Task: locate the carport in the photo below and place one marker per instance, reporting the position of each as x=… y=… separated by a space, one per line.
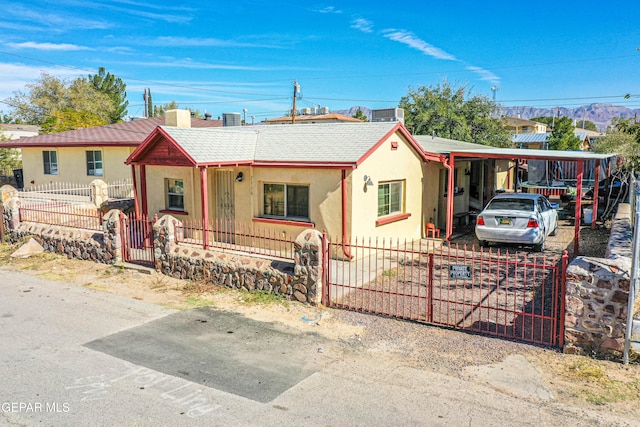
x=516 y=155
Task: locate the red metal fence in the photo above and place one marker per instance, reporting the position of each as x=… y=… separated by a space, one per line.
x=61 y=214
x=137 y=239
x=236 y=236
x=511 y=295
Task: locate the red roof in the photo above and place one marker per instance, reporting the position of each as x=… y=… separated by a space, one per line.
x=128 y=134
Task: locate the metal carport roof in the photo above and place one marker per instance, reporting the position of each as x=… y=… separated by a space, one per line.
x=515 y=153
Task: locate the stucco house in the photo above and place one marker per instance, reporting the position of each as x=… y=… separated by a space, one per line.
x=82 y=155
x=17 y=131
x=350 y=179
x=518 y=125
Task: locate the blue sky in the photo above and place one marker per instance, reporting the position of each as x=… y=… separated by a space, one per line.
x=220 y=56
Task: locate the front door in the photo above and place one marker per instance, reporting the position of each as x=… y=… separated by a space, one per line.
x=225 y=206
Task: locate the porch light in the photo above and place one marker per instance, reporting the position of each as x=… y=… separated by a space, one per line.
x=367 y=180
x=239 y=177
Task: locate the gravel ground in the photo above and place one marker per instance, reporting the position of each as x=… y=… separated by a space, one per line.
x=448 y=351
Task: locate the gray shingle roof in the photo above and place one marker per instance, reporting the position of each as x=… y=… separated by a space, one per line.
x=317 y=143
x=435 y=144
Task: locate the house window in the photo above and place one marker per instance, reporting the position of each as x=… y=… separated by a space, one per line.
x=286 y=201
x=175 y=194
x=50 y=161
x=94 y=163
x=390 y=197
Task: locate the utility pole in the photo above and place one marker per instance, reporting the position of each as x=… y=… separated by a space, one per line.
x=494 y=89
x=296 y=90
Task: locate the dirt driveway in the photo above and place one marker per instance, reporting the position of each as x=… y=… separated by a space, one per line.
x=593 y=243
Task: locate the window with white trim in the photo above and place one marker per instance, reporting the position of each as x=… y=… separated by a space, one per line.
x=94 y=163
x=390 y=198
x=286 y=201
x=50 y=162
x=175 y=194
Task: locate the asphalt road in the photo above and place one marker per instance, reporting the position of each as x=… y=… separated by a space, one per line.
x=73 y=356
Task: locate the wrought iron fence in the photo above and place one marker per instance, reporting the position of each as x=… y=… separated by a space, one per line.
x=236 y=236
x=61 y=214
x=513 y=295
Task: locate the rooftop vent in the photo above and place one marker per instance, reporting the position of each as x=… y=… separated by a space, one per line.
x=231 y=119
x=388 y=115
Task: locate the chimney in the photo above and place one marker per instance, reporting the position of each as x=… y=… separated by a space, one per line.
x=178 y=118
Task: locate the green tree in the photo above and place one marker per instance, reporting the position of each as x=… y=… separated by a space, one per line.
x=115 y=89
x=623 y=139
x=563 y=136
x=588 y=125
x=160 y=110
x=547 y=120
x=9 y=157
x=51 y=94
x=360 y=116
x=70 y=119
x=453 y=112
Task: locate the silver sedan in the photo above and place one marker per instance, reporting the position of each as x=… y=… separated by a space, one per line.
x=520 y=218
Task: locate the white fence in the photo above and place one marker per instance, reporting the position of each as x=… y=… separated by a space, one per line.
x=75 y=193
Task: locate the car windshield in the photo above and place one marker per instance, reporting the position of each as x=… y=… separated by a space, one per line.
x=525 y=205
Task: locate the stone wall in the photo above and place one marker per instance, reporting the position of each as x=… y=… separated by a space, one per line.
x=597 y=295
x=104 y=247
x=298 y=280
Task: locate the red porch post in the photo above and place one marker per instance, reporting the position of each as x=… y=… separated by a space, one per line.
x=578 y=214
x=595 y=196
x=204 y=199
x=143 y=189
x=136 y=204
x=450 y=189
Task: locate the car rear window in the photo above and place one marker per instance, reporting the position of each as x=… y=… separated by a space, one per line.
x=511 y=204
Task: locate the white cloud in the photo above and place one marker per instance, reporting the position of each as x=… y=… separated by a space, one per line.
x=206 y=42
x=16 y=76
x=47 y=46
x=414 y=42
x=363 y=25
x=328 y=9
x=485 y=75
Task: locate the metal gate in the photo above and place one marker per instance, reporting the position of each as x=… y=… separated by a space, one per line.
x=512 y=295
x=137 y=239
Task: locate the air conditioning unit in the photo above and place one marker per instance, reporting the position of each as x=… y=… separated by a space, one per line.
x=324 y=110
x=388 y=115
x=306 y=111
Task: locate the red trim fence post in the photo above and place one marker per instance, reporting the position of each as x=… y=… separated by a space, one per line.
x=563 y=291
x=430 y=288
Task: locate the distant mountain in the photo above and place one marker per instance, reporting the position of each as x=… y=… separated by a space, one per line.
x=600 y=114
x=353 y=110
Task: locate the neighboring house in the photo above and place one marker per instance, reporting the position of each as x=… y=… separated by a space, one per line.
x=12 y=131
x=312 y=118
x=82 y=155
x=517 y=125
x=350 y=179
x=538 y=141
